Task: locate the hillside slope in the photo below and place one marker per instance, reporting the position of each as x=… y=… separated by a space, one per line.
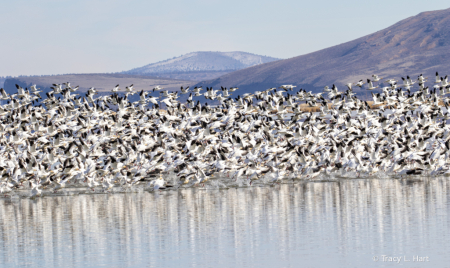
x=419 y=44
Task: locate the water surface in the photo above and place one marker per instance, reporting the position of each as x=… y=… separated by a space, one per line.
x=313 y=224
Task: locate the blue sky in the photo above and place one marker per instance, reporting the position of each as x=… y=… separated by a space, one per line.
x=58 y=36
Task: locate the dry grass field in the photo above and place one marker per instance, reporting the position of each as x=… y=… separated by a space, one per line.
x=306 y=108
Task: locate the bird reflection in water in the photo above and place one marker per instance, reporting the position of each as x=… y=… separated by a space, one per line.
x=313 y=223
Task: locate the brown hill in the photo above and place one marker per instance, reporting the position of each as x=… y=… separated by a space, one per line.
x=419 y=44
x=102 y=82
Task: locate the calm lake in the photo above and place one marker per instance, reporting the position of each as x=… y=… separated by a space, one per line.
x=345 y=223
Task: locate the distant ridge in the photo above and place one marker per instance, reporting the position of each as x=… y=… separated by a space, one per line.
x=201 y=65
x=414 y=45
x=2 y=81
x=102 y=82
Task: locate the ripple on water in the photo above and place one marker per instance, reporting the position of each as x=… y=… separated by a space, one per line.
x=329 y=222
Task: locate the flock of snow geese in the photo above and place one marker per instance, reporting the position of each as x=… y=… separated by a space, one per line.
x=105 y=143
